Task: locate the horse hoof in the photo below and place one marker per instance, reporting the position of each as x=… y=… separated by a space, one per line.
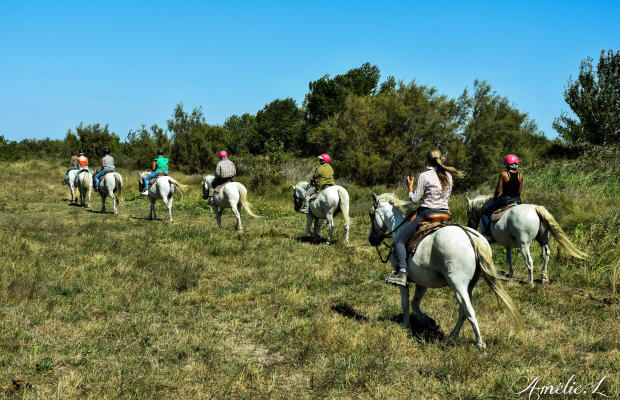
x=545 y=281
x=431 y=324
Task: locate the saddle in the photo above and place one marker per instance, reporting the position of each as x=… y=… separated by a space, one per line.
x=219 y=187
x=81 y=171
x=152 y=180
x=497 y=215
x=431 y=224
x=318 y=192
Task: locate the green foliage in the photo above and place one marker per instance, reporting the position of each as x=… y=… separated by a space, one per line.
x=279 y=128
x=595 y=99
x=29 y=148
x=196 y=144
x=327 y=96
x=93 y=139
x=240 y=130
x=494 y=129
x=143 y=145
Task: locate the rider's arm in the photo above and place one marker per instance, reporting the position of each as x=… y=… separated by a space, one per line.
x=154 y=166
x=521 y=182
x=499 y=186
x=416 y=196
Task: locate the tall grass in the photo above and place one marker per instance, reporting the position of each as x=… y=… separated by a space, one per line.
x=98 y=306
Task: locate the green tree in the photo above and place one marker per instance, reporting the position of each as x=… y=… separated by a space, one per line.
x=595 y=99
x=143 y=145
x=327 y=96
x=93 y=139
x=195 y=144
x=494 y=129
x=240 y=131
x=279 y=128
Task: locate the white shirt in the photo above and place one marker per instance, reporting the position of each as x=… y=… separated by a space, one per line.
x=429 y=185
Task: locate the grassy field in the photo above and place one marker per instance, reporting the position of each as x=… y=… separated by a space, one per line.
x=103 y=306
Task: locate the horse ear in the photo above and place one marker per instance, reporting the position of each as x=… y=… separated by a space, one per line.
x=468 y=200
x=293 y=187
x=375 y=198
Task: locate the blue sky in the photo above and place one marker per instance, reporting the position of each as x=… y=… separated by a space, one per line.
x=129 y=63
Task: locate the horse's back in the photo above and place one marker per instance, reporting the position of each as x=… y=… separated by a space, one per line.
x=520 y=222
x=447 y=251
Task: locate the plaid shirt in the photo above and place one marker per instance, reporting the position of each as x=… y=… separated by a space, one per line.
x=225 y=169
x=430 y=186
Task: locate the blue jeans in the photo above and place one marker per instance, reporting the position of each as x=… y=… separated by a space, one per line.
x=491 y=208
x=100 y=174
x=405 y=234
x=67 y=173
x=151 y=176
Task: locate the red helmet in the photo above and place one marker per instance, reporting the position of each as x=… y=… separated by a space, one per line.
x=223 y=154
x=511 y=159
x=325 y=157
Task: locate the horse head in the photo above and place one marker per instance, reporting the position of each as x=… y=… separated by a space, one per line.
x=141 y=177
x=207 y=181
x=474 y=209
x=299 y=193
x=377 y=224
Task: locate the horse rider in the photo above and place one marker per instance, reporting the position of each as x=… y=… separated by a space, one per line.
x=511 y=182
x=82 y=164
x=224 y=172
x=73 y=164
x=322 y=179
x=436 y=186
x=107 y=164
x=160 y=166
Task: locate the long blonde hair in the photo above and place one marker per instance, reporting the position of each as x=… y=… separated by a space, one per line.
x=434 y=158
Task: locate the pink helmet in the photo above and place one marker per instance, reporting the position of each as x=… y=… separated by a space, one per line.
x=223 y=154
x=511 y=159
x=325 y=157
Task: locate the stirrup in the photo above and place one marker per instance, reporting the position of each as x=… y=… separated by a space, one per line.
x=396 y=280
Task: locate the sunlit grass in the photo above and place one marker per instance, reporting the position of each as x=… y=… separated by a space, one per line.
x=98 y=306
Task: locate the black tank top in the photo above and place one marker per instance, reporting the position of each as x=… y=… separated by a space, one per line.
x=511 y=188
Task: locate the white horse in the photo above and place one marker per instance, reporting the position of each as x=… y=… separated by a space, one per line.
x=518 y=227
x=109 y=184
x=332 y=200
x=84 y=183
x=445 y=258
x=163 y=189
x=70 y=181
x=233 y=195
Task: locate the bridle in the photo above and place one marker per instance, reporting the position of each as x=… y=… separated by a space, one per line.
x=378 y=240
x=297 y=200
x=472 y=220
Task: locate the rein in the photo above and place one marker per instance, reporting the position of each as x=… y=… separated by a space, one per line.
x=386 y=236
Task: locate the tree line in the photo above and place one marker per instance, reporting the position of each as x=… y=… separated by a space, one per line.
x=376 y=131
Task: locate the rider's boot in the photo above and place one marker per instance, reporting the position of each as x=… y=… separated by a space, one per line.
x=145 y=193
x=399 y=279
x=96 y=189
x=304 y=209
x=63 y=182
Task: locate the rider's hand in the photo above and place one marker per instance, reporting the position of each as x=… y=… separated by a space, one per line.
x=410 y=183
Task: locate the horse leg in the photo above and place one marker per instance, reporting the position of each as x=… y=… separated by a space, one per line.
x=466 y=311
x=420 y=291
x=152 y=209
x=346 y=229
x=102 y=202
x=330 y=222
x=470 y=292
x=509 y=262
x=546 y=253
x=404 y=300
x=169 y=204
x=317 y=237
x=235 y=210
x=525 y=250
x=113 y=202
x=218 y=215
x=309 y=219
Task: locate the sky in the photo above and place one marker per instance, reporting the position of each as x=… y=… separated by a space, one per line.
x=128 y=63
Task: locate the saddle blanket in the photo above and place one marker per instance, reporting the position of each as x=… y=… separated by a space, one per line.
x=497 y=215
x=219 y=188
x=153 y=180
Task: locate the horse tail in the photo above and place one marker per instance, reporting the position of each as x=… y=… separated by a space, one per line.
x=243 y=197
x=493 y=279
x=344 y=204
x=118 y=182
x=182 y=188
x=558 y=234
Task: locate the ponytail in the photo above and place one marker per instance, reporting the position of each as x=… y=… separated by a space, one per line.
x=434 y=157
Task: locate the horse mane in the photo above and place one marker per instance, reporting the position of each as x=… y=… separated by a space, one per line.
x=479 y=203
x=303 y=183
x=405 y=207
